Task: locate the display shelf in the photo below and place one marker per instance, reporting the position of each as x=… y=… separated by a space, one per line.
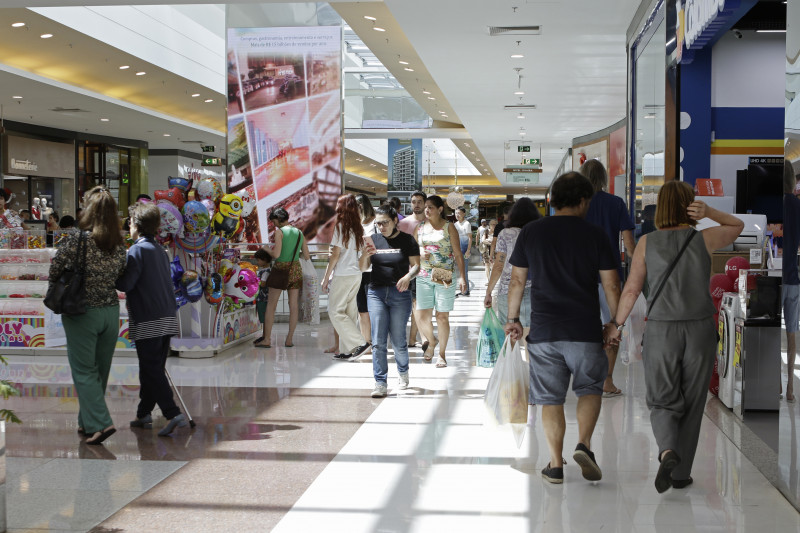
x=204 y=335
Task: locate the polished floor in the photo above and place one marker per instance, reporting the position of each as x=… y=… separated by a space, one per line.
x=290 y=441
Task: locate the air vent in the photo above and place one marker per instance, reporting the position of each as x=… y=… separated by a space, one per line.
x=520 y=107
x=514 y=30
x=69 y=110
x=194 y=142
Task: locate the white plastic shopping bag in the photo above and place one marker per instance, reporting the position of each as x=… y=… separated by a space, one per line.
x=309 y=294
x=506 y=397
x=630 y=346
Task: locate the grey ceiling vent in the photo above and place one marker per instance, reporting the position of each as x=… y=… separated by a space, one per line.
x=514 y=30
x=194 y=142
x=520 y=107
x=69 y=110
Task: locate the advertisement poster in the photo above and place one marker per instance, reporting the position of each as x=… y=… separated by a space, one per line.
x=405 y=166
x=284 y=125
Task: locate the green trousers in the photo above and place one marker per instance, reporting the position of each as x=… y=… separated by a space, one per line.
x=91 y=340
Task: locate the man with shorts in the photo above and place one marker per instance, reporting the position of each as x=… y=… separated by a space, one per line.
x=791 y=279
x=408 y=225
x=565 y=254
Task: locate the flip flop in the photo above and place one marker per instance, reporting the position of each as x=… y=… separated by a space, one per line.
x=429 y=356
x=613 y=393
x=289 y=345
x=441 y=362
x=100 y=436
x=263 y=346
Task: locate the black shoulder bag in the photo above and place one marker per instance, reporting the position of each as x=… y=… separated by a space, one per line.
x=669 y=270
x=67 y=294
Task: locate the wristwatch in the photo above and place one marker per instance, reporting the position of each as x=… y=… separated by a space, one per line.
x=513 y=320
x=618 y=326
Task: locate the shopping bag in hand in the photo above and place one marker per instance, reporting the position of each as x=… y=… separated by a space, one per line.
x=506 y=397
x=490 y=340
x=630 y=345
x=309 y=294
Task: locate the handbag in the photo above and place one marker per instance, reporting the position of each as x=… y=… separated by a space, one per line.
x=278 y=277
x=67 y=294
x=442 y=275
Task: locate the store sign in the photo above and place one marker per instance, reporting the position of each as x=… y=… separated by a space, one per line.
x=17 y=164
x=698 y=15
x=212 y=161
x=522 y=177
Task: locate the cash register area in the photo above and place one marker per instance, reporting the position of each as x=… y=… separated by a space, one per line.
x=289 y=440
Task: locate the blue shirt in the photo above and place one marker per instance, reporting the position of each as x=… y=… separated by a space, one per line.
x=791 y=238
x=610 y=213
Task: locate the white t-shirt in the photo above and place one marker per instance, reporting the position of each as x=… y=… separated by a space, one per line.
x=464 y=228
x=370 y=229
x=348 y=255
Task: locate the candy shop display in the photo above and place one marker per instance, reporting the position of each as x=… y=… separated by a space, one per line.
x=35 y=239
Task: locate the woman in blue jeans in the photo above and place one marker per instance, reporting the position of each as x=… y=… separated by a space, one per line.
x=394 y=257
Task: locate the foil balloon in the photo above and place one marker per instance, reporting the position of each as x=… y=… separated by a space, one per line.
x=184 y=184
x=227 y=221
x=248 y=202
x=195 y=217
x=171 y=219
x=176 y=273
x=211 y=207
x=213 y=289
x=174 y=196
x=197 y=243
x=227 y=269
x=192 y=287
x=209 y=189
x=242 y=287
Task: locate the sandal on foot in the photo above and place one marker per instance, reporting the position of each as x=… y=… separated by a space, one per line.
x=100 y=436
x=612 y=393
x=289 y=345
x=427 y=353
x=258 y=340
x=441 y=362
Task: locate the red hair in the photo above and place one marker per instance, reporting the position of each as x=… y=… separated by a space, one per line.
x=348 y=220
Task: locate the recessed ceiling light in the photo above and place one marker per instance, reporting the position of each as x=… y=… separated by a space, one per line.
x=357 y=159
x=473 y=153
x=378 y=28
x=195 y=95
x=409 y=69
x=403 y=62
x=373 y=165
x=431 y=98
x=520 y=116
x=141 y=73
x=445 y=116
x=519 y=93
x=104 y=120
x=478 y=160
x=517 y=56
x=124 y=67
x=17 y=97
x=18 y=25
x=208 y=100
x=167 y=135
x=522 y=134
x=46 y=35
x=369 y=18
x=425 y=92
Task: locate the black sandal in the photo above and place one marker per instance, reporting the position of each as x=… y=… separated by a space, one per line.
x=100 y=436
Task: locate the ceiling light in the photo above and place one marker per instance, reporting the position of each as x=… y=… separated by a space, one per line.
x=357 y=159
x=425 y=92
x=166 y=135
x=123 y=67
x=403 y=62
x=141 y=73
x=431 y=98
x=478 y=160
x=517 y=56
x=46 y=35
x=104 y=120
x=770 y=31
x=18 y=25
x=519 y=93
x=444 y=116
x=17 y=97
x=208 y=100
x=370 y=18
x=409 y=69
x=195 y=95
x=377 y=28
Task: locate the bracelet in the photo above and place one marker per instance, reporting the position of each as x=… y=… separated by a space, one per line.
x=513 y=320
x=618 y=326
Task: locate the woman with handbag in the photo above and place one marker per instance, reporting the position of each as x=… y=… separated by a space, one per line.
x=343 y=276
x=436 y=287
x=680 y=334
x=97 y=251
x=286 y=274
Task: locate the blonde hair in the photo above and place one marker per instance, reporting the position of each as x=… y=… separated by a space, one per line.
x=100 y=217
x=673 y=200
x=596 y=173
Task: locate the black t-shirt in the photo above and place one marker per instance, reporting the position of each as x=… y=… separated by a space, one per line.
x=500 y=226
x=390 y=263
x=564 y=255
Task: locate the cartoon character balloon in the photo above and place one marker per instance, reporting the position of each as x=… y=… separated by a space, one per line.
x=174 y=196
x=213 y=289
x=248 y=202
x=242 y=286
x=195 y=217
x=171 y=220
x=209 y=189
x=227 y=221
x=184 y=184
x=211 y=207
x=192 y=287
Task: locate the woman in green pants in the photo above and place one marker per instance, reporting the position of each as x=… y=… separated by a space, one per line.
x=92 y=336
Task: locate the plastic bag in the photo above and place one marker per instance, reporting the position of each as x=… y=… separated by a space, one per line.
x=490 y=340
x=309 y=294
x=506 y=397
x=630 y=345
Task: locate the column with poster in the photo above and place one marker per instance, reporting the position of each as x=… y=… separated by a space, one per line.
x=284 y=126
x=405 y=169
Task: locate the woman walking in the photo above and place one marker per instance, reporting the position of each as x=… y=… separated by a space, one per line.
x=368 y=223
x=343 y=275
x=464 y=229
x=680 y=333
x=153 y=321
x=92 y=336
x=394 y=257
x=436 y=288
x=289 y=244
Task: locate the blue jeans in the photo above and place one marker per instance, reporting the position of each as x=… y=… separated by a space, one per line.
x=464 y=244
x=389 y=311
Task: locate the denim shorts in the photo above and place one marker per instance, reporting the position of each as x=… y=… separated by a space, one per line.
x=524 y=308
x=552 y=364
x=432 y=295
x=791 y=307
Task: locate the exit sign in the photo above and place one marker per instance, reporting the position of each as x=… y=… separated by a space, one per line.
x=208 y=148
x=534 y=162
x=523 y=148
x=211 y=162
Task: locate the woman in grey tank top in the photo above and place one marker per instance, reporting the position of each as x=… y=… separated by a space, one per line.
x=680 y=335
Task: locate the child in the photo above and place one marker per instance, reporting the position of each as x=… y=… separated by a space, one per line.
x=263 y=260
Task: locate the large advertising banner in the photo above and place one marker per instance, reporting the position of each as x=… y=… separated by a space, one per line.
x=284 y=125
x=405 y=166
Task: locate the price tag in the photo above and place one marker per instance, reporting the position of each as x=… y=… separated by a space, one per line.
x=755 y=256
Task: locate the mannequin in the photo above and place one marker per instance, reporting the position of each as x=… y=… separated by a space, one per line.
x=36 y=210
x=45 y=210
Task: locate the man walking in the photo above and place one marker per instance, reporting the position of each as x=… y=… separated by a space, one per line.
x=565 y=254
x=408 y=225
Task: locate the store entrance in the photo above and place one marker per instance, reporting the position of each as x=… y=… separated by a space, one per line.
x=108 y=165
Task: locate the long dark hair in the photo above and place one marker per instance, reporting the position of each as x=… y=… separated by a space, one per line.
x=523 y=211
x=367 y=211
x=348 y=220
x=100 y=217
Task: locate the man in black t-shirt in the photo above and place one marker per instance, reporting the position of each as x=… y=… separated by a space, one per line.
x=565 y=255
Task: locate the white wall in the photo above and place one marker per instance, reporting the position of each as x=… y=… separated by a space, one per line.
x=749 y=72
x=161 y=167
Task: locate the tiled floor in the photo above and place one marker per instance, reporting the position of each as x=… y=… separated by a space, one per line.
x=287 y=440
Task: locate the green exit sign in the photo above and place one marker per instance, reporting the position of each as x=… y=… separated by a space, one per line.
x=523 y=148
x=532 y=162
x=208 y=148
x=211 y=162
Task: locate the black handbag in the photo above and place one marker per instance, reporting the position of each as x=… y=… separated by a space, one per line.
x=67 y=294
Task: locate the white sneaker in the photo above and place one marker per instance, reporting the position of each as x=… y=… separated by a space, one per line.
x=380 y=390
x=402 y=381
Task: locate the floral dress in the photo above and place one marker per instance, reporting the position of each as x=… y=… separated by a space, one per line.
x=437 y=243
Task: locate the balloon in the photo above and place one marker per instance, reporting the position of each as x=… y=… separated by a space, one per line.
x=213 y=289
x=195 y=217
x=227 y=221
x=171 y=219
x=211 y=207
x=248 y=202
x=242 y=286
x=719 y=284
x=184 y=184
x=197 y=243
x=176 y=272
x=733 y=266
x=227 y=269
x=209 y=189
x=174 y=196
x=192 y=286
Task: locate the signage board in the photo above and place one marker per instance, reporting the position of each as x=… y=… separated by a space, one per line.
x=523 y=148
x=208 y=148
x=212 y=161
x=532 y=162
x=522 y=177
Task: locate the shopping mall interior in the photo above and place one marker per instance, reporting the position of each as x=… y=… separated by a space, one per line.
x=223 y=113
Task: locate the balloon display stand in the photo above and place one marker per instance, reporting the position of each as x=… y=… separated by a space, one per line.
x=205 y=333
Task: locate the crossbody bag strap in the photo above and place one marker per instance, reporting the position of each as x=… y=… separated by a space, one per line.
x=297 y=245
x=670 y=269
